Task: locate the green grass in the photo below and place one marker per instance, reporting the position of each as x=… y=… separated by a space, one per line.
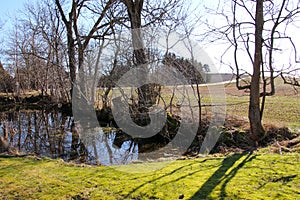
x=282 y=109
x=237 y=176
x=279 y=110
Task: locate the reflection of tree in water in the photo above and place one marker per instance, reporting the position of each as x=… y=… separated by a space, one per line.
x=55 y=135
x=102 y=150
x=78 y=149
x=37 y=132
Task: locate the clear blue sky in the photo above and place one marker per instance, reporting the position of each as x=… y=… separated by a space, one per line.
x=9 y=11
x=11 y=6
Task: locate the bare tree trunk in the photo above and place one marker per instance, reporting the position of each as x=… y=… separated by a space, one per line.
x=146 y=93
x=93 y=88
x=77 y=46
x=71 y=43
x=72 y=65
x=257 y=129
x=199 y=106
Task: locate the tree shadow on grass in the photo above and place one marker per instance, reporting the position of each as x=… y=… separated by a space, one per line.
x=161 y=177
x=220 y=175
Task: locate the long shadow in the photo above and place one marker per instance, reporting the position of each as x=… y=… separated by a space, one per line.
x=160 y=177
x=207 y=188
x=232 y=173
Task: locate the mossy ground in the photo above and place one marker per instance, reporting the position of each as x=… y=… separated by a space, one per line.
x=236 y=176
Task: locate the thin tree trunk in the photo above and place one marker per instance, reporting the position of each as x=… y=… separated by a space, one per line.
x=72 y=65
x=257 y=129
x=199 y=106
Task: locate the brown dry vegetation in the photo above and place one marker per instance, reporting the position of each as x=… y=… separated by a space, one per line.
x=281 y=117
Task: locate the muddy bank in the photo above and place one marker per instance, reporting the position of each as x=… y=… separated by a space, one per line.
x=11 y=103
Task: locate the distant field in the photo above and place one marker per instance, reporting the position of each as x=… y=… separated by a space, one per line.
x=282 y=109
x=279 y=110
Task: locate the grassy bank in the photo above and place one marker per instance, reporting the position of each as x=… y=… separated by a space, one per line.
x=237 y=176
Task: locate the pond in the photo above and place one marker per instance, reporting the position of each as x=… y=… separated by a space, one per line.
x=54 y=134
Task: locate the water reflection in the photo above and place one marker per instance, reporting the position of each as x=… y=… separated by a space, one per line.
x=55 y=135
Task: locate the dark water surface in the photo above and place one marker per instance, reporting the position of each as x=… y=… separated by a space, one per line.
x=54 y=135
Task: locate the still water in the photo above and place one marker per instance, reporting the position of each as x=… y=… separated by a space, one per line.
x=54 y=135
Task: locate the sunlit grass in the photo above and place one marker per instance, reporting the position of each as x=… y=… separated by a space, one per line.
x=237 y=176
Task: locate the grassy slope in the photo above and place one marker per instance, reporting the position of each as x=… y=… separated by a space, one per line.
x=250 y=176
x=282 y=109
x=279 y=110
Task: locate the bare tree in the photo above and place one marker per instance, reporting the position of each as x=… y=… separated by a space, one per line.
x=77 y=41
x=37 y=51
x=149 y=12
x=255 y=30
